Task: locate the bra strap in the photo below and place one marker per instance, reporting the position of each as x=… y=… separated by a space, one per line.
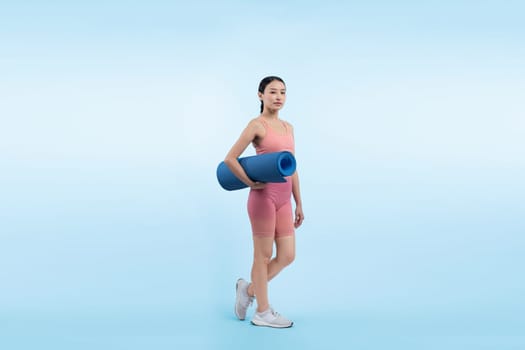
x=264 y=123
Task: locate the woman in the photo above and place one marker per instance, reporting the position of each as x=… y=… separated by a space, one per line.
x=269 y=205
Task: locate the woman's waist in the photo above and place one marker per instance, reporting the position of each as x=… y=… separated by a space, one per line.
x=279 y=186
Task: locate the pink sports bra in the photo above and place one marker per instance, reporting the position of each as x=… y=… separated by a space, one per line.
x=275 y=142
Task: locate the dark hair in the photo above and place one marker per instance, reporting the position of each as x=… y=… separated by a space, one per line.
x=264 y=83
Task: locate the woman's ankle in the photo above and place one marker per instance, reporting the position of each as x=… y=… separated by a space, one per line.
x=251 y=291
x=262 y=309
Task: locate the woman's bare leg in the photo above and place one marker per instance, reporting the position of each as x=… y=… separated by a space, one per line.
x=284 y=257
x=262 y=254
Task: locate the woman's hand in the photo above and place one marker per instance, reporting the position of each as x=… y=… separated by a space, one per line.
x=258 y=186
x=299 y=216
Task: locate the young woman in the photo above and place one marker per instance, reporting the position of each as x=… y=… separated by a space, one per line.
x=269 y=205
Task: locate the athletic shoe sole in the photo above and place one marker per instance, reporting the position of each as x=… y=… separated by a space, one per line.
x=265 y=324
x=237 y=291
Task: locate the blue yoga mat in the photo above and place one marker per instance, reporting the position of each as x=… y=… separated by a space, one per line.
x=268 y=167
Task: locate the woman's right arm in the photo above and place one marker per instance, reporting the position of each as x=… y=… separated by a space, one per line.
x=252 y=130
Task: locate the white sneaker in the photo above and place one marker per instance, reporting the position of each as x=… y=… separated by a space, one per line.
x=243 y=300
x=270 y=318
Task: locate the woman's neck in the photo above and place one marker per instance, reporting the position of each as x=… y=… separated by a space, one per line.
x=270 y=114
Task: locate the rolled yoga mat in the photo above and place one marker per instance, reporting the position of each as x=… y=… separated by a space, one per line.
x=268 y=167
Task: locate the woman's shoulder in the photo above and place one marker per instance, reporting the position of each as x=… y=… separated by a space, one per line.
x=288 y=124
x=256 y=122
x=257 y=125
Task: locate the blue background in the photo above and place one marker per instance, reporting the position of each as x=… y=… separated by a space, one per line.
x=409 y=122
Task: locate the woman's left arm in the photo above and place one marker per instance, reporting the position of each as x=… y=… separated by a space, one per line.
x=296 y=191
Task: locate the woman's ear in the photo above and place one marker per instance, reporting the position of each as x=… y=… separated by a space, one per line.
x=260 y=95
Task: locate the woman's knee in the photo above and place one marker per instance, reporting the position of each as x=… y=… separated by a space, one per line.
x=263 y=250
x=263 y=257
x=286 y=258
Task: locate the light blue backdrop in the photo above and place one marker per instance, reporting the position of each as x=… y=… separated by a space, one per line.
x=409 y=122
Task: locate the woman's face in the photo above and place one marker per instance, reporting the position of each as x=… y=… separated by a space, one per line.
x=274 y=95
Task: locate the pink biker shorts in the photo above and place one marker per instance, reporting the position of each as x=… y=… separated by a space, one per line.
x=270 y=210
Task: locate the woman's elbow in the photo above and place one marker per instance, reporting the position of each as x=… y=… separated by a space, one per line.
x=229 y=161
